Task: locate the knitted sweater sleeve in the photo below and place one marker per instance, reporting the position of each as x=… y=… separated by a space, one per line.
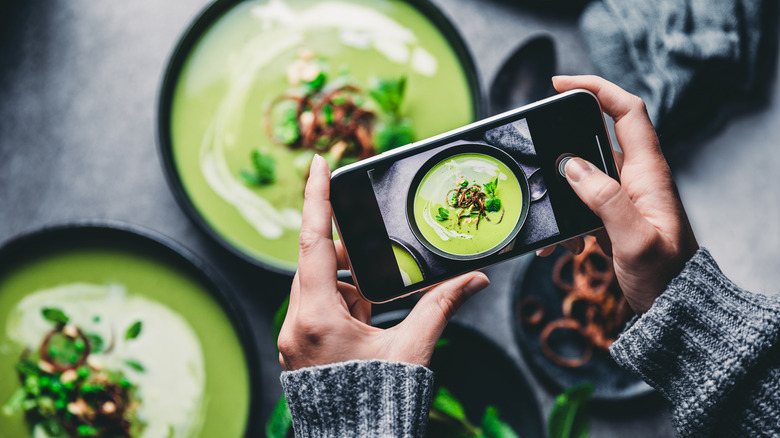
x=359 y=398
x=712 y=350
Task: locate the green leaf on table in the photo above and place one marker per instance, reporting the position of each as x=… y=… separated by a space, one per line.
x=280 y=421
x=449 y=405
x=133 y=331
x=443 y=215
x=55 y=315
x=493 y=427
x=492 y=204
x=281 y=313
x=569 y=416
x=443 y=342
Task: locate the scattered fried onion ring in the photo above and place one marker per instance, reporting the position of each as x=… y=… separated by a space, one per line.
x=593 y=304
x=531 y=311
x=564 y=324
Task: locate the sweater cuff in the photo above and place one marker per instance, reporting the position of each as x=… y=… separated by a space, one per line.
x=699 y=338
x=359 y=398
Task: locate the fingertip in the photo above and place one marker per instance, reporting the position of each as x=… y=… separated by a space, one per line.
x=478 y=282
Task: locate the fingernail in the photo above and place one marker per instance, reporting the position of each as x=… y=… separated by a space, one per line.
x=576 y=169
x=317 y=162
x=476 y=284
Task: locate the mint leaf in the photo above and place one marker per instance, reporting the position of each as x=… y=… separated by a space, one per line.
x=391 y=135
x=493 y=204
x=281 y=313
x=493 y=427
x=55 y=315
x=389 y=94
x=135 y=365
x=133 y=331
x=490 y=187
x=263 y=172
x=443 y=214
x=280 y=421
x=569 y=416
x=95 y=342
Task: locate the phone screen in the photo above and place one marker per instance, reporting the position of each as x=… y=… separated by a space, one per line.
x=465 y=201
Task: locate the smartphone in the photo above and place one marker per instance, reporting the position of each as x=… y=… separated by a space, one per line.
x=420 y=214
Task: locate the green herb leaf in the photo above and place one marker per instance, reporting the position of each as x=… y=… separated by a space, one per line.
x=263 y=170
x=389 y=94
x=490 y=187
x=27 y=367
x=493 y=204
x=133 y=331
x=327 y=111
x=443 y=215
x=493 y=427
x=280 y=422
x=569 y=416
x=318 y=82
x=281 y=313
x=287 y=131
x=55 y=315
x=135 y=365
x=449 y=405
x=464 y=184
x=95 y=342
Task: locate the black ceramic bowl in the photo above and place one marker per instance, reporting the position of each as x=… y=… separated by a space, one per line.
x=153 y=267
x=479 y=374
x=467 y=148
x=173 y=71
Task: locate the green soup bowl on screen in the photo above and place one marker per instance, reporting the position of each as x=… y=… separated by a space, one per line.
x=468 y=201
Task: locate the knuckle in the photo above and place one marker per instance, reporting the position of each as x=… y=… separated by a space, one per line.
x=308 y=241
x=285 y=344
x=607 y=194
x=639 y=104
x=447 y=305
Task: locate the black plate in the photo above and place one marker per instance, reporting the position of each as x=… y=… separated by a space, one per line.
x=479 y=374
x=179 y=56
x=136 y=240
x=611 y=382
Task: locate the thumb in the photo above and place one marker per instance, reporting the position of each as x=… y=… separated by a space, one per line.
x=606 y=198
x=425 y=323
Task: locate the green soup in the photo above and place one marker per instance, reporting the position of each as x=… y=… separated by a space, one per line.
x=410 y=270
x=194 y=380
x=238 y=68
x=453 y=230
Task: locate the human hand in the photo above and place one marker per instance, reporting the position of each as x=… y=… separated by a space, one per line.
x=647 y=230
x=328 y=321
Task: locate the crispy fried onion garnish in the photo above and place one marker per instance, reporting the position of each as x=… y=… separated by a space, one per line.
x=593 y=304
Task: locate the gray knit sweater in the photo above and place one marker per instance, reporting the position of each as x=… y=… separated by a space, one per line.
x=709 y=347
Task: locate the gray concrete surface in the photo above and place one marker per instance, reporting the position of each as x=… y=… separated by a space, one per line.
x=78 y=88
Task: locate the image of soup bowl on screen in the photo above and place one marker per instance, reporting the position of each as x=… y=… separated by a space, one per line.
x=468 y=201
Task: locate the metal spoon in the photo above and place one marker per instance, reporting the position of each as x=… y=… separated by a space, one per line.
x=536 y=185
x=525 y=76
